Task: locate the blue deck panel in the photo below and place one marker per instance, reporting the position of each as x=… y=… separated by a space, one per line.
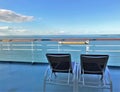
x=17 y=77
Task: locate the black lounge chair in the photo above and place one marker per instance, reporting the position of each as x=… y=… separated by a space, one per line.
x=59 y=65
x=94 y=65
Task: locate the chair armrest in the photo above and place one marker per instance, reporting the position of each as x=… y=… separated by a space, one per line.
x=108 y=73
x=47 y=71
x=74 y=66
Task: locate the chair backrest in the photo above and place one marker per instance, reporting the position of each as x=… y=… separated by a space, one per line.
x=93 y=64
x=60 y=62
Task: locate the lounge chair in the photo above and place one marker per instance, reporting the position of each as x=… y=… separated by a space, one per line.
x=60 y=70
x=90 y=67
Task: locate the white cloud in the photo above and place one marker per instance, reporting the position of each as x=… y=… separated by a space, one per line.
x=6 y=30
x=4 y=27
x=11 y=16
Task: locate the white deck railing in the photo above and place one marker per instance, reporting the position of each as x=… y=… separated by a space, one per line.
x=34 y=50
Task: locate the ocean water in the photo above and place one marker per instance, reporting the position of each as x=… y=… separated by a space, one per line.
x=35 y=51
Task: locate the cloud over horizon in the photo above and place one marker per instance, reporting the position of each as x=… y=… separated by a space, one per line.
x=6 y=30
x=11 y=16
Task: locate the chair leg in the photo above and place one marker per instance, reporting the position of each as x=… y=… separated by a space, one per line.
x=44 y=86
x=68 y=78
x=55 y=75
x=101 y=77
x=111 y=89
x=83 y=79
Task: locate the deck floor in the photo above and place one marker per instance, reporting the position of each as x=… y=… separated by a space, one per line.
x=16 y=77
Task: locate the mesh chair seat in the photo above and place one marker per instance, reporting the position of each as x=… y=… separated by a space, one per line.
x=94 y=65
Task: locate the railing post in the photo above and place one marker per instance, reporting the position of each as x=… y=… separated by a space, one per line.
x=59 y=43
x=87 y=49
x=0 y=45
x=32 y=48
x=87 y=46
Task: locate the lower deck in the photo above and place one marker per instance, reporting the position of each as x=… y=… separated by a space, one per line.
x=27 y=77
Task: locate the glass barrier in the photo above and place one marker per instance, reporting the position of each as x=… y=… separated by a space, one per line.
x=34 y=50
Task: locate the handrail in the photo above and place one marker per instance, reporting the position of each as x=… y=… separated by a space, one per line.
x=74 y=42
x=58 y=39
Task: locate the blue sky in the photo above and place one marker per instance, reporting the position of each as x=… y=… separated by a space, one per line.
x=56 y=17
